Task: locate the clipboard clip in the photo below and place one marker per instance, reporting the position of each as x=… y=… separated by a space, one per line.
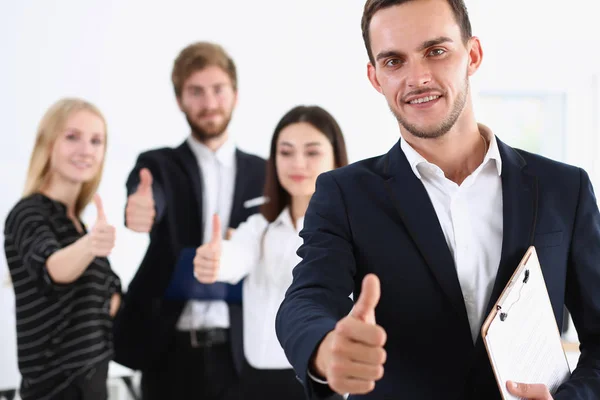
x=504 y=315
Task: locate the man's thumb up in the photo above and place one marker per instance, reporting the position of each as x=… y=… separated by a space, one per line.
x=364 y=308
x=217 y=236
x=145 y=186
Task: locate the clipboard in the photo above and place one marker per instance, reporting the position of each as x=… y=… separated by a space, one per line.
x=520 y=334
x=184 y=286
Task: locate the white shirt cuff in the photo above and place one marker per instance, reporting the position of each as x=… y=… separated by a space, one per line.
x=314 y=378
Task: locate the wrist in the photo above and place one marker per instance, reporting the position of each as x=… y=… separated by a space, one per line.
x=316 y=365
x=86 y=244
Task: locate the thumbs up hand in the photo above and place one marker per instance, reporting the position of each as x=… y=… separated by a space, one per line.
x=140 y=211
x=102 y=235
x=208 y=256
x=351 y=357
x=364 y=308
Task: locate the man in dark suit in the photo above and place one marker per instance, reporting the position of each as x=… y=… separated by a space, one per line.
x=188 y=349
x=427 y=236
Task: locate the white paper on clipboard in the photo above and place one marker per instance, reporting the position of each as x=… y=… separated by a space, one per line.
x=520 y=334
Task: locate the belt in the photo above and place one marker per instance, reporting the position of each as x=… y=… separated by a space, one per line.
x=205 y=337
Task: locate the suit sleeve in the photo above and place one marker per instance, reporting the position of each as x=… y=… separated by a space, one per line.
x=582 y=299
x=146 y=161
x=322 y=282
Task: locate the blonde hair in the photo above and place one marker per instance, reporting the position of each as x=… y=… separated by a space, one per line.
x=52 y=124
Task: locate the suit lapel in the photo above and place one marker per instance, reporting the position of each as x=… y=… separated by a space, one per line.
x=519 y=213
x=420 y=219
x=190 y=166
x=240 y=186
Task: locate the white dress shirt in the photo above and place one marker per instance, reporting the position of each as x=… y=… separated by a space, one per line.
x=266 y=255
x=471 y=218
x=218 y=184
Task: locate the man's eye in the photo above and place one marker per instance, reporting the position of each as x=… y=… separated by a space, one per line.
x=437 y=52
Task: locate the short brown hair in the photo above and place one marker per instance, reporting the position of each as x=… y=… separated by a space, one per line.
x=324 y=122
x=198 y=56
x=372 y=6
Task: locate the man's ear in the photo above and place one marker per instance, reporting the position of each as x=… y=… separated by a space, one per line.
x=372 y=75
x=475 y=55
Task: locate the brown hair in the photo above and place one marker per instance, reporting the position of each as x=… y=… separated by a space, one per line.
x=51 y=125
x=278 y=197
x=198 y=56
x=372 y=6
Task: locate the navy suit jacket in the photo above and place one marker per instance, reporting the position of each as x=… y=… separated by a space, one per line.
x=375 y=216
x=146 y=322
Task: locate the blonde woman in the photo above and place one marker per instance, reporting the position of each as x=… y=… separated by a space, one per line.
x=66 y=292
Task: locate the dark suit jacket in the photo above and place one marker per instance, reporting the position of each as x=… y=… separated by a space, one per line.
x=146 y=322
x=375 y=217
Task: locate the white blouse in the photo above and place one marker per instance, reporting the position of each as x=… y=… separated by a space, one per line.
x=266 y=255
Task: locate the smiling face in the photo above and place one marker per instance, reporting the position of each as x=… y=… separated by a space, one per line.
x=422 y=66
x=78 y=151
x=207 y=100
x=303 y=153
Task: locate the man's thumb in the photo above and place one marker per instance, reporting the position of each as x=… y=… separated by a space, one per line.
x=216 y=230
x=364 y=308
x=100 y=215
x=145 y=186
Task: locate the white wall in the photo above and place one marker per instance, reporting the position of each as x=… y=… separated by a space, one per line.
x=119 y=54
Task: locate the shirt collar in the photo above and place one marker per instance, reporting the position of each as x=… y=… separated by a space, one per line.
x=493 y=152
x=416 y=160
x=285 y=218
x=224 y=154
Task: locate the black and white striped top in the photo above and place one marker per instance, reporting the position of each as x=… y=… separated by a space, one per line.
x=63 y=330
